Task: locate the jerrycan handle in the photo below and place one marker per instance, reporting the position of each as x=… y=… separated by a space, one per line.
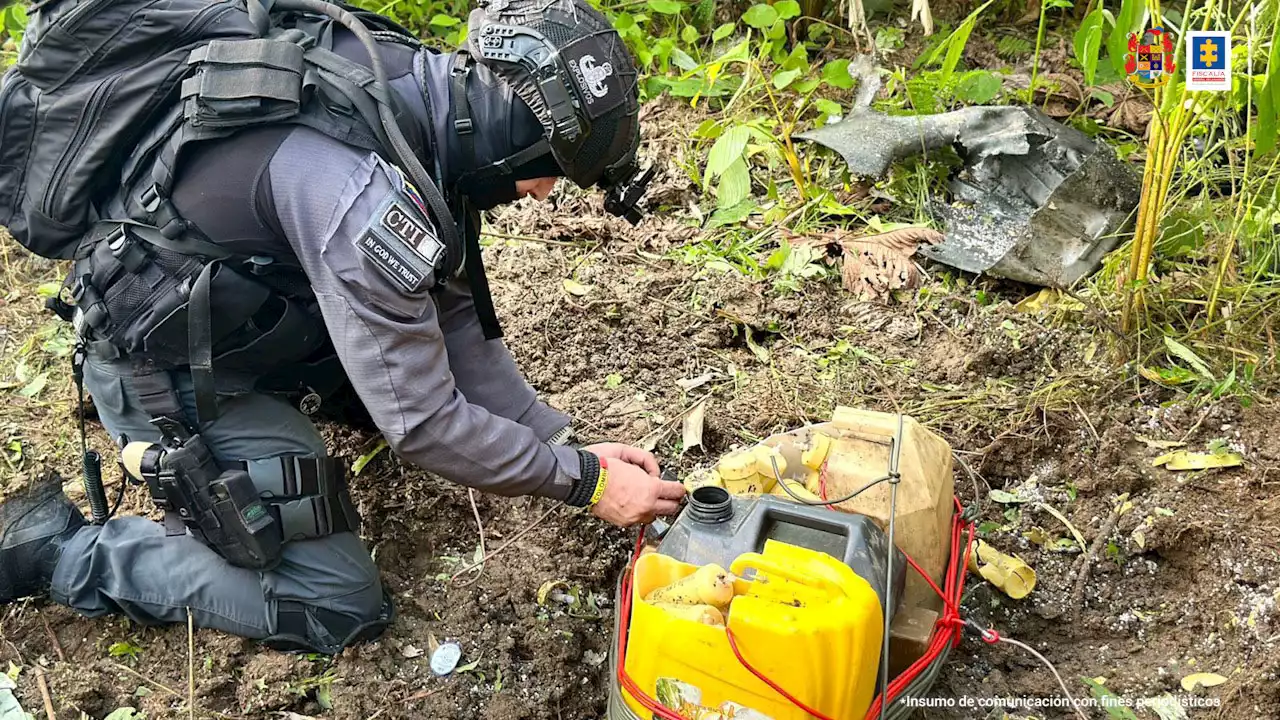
x=762 y=564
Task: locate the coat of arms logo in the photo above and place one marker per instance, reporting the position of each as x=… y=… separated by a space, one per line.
x=1149 y=62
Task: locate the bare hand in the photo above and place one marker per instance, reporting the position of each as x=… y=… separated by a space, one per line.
x=628 y=454
x=633 y=496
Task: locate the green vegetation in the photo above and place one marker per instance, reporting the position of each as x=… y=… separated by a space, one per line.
x=1200 y=261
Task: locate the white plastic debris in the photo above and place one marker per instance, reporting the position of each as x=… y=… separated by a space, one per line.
x=445 y=658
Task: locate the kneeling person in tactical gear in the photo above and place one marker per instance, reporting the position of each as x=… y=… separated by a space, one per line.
x=271 y=246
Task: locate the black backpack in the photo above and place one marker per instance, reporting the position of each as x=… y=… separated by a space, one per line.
x=93 y=117
x=105 y=92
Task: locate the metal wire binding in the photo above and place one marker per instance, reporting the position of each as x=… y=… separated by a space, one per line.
x=895 y=478
x=991 y=637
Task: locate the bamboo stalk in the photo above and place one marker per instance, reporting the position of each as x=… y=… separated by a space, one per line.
x=44 y=693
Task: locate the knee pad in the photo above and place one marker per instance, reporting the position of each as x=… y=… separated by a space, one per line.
x=303 y=628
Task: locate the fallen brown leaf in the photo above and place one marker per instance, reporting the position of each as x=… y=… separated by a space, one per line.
x=875 y=265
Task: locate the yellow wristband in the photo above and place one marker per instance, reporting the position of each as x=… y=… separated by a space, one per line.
x=600 y=484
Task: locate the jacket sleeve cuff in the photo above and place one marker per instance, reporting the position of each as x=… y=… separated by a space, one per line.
x=568 y=475
x=545 y=422
x=588 y=475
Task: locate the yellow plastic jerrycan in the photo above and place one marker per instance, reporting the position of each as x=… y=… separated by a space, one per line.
x=800 y=617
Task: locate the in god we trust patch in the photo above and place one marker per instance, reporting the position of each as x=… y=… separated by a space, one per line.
x=401 y=243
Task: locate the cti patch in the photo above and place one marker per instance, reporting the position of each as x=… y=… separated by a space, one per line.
x=401 y=242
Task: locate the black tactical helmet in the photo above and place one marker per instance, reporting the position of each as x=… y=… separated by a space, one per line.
x=573 y=70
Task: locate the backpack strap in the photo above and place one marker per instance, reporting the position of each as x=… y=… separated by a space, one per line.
x=200 y=346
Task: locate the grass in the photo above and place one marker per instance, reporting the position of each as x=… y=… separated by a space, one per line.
x=37 y=413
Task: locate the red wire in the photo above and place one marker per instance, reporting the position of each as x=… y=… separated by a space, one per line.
x=949 y=624
x=822 y=485
x=733 y=645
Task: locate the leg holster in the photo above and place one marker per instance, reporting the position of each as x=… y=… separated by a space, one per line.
x=308 y=495
x=247 y=512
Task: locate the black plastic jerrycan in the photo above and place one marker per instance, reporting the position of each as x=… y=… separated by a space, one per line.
x=717 y=527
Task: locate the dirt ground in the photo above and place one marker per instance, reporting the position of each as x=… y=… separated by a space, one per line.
x=1032 y=404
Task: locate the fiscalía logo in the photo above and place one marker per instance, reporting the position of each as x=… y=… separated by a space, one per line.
x=592 y=75
x=1149 y=62
x=1209 y=60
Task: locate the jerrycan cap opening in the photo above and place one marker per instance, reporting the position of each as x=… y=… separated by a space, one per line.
x=710 y=505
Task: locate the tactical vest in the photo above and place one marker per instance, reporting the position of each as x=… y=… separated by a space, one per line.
x=105 y=97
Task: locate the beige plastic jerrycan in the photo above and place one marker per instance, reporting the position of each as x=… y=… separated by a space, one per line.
x=855 y=451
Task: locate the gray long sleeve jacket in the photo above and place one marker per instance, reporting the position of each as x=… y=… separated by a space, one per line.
x=445 y=398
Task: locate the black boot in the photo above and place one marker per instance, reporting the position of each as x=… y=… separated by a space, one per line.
x=34 y=524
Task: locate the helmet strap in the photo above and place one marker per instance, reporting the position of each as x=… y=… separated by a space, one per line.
x=465 y=127
x=462 y=122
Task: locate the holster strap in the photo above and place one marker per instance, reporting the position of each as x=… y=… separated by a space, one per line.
x=309 y=494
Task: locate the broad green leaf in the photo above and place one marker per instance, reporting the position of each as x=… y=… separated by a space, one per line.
x=836 y=74
x=776 y=31
x=15 y=20
x=787 y=9
x=784 y=78
x=828 y=107
x=623 y=22
x=733 y=215
x=48 y=289
x=778 y=257
x=689 y=34
x=722 y=32
x=760 y=16
x=445 y=21
x=1184 y=353
x=704 y=14
x=1268 y=100
x=728 y=148
x=735 y=184
x=695 y=86
x=737 y=53
x=978 y=87
x=797 y=60
x=682 y=60
x=806 y=86
x=35 y=386
x=1132 y=15
x=958 y=40
x=1088 y=44
x=666 y=7
x=708 y=130
x=1172 y=377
